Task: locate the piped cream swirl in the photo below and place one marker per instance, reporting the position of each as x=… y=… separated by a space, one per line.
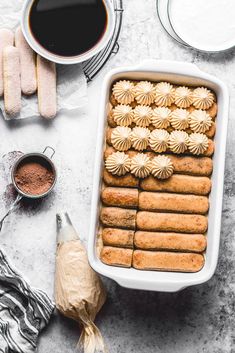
x=198 y=143
x=183 y=97
x=158 y=140
x=123 y=115
x=144 y=93
x=140 y=138
x=200 y=121
x=203 y=98
x=141 y=165
x=142 y=115
x=180 y=119
x=162 y=167
x=121 y=138
x=164 y=94
x=124 y=92
x=118 y=163
x=178 y=141
x=161 y=117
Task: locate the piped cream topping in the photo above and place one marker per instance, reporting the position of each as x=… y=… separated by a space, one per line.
x=180 y=119
x=203 y=98
x=141 y=165
x=183 y=97
x=200 y=121
x=178 y=141
x=144 y=93
x=121 y=138
x=140 y=138
x=161 y=117
x=162 y=167
x=123 y=115
x=118 y=163
x=159 y=140
x=198 y=143
x=124 y=92
x=142 y=115
x=164 y=94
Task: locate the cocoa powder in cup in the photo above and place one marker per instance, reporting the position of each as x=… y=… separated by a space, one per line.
x=34 y=176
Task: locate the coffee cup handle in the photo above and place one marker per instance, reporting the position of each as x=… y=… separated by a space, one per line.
x=47 y=148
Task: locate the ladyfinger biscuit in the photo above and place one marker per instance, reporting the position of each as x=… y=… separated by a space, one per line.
x=118 y=237
x=167 y=261
x=210 y=150
x=212 y=111
x=108 y=136
x=153 y=201
x=174 y=222
x=211 y=132
x=11 y=75
x=47 y=100
x=6 y=39
x=118 y=217
x=110 y=119
x=116 y=256
x=170 y=241
x=27 y=64
x=110 y=150
x=120 y=197
x=128 y=180
x=182 y=184
x=202 y=166
x=113 y=100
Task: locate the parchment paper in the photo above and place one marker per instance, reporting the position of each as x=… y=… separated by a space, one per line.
x=71 y=81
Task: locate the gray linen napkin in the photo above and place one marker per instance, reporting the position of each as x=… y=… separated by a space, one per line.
x=24 y=311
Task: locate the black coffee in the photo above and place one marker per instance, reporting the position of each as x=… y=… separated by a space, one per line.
x=68 y=27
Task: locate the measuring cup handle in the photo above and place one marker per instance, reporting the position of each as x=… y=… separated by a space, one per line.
x=49 y=148
x=11 y=209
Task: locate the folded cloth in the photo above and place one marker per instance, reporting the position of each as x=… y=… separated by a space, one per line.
x=24 y=311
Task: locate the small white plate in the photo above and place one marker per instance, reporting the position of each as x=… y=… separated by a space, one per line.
x=162 y=8
x=204 y=25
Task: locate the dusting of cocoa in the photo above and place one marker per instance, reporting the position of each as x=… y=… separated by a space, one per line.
x=34 y=176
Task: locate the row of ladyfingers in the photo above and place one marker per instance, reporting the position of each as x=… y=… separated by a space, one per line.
x=153 y=201
x=202 y=166
x=123 y=238
x=116 y=217
x=152 y=260
x=181 y=184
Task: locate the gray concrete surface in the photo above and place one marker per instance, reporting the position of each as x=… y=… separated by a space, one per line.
x=199 y=319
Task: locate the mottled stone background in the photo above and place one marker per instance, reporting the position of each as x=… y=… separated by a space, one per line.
x=199 y=319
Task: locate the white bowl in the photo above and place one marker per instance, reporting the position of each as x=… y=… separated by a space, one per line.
x=178 y=73
x=62 y=59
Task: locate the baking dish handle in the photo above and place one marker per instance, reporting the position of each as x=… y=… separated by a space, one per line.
x=169 y=66
x=150 y=286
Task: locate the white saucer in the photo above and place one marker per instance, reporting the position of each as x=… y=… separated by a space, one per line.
x=162 y=9
x=206 y=25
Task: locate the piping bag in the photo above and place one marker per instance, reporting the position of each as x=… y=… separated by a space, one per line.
x=79 y=292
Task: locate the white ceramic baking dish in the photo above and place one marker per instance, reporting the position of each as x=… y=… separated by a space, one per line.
x=184 y=74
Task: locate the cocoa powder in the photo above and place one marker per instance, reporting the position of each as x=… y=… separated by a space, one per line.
x=34 y=176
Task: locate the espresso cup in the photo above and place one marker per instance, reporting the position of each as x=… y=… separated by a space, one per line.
x=60 y=59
